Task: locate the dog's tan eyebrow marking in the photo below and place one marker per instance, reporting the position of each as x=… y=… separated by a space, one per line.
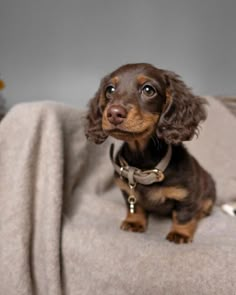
x=142 y=79
x=115 y=80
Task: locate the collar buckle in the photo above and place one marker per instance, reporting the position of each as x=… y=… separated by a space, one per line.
x=159 y=174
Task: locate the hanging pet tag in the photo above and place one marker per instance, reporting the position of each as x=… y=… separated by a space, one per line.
x=132 y=200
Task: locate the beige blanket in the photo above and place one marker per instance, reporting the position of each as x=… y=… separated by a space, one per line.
x=59 y=219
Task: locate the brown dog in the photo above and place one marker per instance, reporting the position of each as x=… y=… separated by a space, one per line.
x=153 y=112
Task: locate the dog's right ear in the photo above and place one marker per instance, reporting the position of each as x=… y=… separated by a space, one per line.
x=94 y=131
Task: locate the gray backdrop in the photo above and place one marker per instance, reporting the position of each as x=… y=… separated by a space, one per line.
x=59 y=50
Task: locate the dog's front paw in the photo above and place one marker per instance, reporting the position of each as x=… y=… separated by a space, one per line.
x=133 y=226
x=178 y=238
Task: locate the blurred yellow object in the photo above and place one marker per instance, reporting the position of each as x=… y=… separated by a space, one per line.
x=2 y=84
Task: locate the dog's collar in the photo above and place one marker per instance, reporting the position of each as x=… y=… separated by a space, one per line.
x=135 y=175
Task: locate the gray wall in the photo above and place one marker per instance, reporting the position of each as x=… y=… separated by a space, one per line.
x=59 y=50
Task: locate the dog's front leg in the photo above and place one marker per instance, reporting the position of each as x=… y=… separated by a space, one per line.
x=137 y=221
x=182 y=232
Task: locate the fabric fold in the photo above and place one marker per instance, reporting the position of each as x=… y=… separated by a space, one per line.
x=34 y=180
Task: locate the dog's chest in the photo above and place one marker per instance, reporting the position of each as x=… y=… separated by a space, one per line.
x=152 y=196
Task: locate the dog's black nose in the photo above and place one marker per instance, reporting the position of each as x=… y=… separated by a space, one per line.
x=116 y=114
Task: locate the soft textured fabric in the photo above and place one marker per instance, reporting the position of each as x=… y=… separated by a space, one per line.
x=60 y=216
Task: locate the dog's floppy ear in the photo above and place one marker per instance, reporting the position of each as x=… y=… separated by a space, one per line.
x=182 y=112
x=94 y=131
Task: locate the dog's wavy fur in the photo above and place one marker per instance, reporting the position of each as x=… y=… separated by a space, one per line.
x=172 y=116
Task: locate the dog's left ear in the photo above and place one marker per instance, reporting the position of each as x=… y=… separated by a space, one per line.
x=93 y=130
x=182 y=112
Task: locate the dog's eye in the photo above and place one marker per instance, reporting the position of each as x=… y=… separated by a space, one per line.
x=109 y=90
x=148 y=90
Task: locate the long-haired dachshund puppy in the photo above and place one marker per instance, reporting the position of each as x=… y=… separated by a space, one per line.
x=153 y=112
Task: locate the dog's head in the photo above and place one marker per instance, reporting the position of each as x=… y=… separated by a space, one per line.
x=138 y=100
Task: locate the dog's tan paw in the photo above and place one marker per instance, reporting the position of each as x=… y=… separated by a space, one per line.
x=133 y=226
x=178 y=238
